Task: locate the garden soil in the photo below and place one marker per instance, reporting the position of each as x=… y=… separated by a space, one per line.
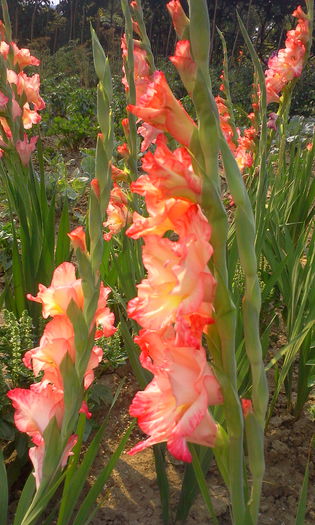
x=131 y=497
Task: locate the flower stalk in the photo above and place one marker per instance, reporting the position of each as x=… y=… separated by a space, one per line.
x=223 y=331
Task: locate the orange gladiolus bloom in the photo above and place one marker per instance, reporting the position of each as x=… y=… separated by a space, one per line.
x=23 y=57
x=141 y=67
x=117 y=212
x=159 y=107
x=77 y=237
x=184 y=64
x=29 y=116
x=174 y=406
x=25 y=148
x=288 y=63
x=179 y=19
x=171 y=172
x=179 y=284
x=30 y=86
x=35 y=407
x=64 y=287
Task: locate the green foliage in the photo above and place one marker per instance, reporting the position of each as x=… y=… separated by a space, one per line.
x=64 y=180
x=32 y=218
x=70 y=113
x=16 y=336
x=6 y=241
x=114 y=352
x=69 y=61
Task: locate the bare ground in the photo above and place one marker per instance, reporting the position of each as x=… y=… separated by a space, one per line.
x=132 y=495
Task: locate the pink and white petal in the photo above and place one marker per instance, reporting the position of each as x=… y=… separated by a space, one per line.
x=155 y=409
x=63 y=275
x=36 y=455
x=192 y=416
x=205 y=433
x=67 y=451
x=179 y=449
x=212 y=385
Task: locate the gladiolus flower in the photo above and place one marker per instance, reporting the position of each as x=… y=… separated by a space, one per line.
x=179 y=19
x=288 y=63
x=35 y=407
x=29 y=116
x=37 y=457
x=4 y=49
x=225 y=123
x=117 y=174
x=141 y=67
x=274 y=85
x=23 y=57
x=126 y=127
x=30 y=86
x=17 y=112
x=159 y=107
x=6 y=127
x=179 y=283
x=243 y=157
x=59 y=332
x=85 y=410
x=136 y=28
x=12 y=77
x=171 y=172
x=242 y=146
x=104 y=318
x=117 y=212
x=25 y=148
x=123 y=150
x=95 y=187
x=164 y=215
x=95 y=359
x=77 y=237
x=57 y=341
x=271 y=124
x=302 y=30
x=64 y=288
x=184 y=64
x=247 y=407
x=174 y=406
x=149 y=134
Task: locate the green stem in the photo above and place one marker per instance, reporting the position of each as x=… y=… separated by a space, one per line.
x=205 y=150
x=245 y=234
x=131 y=93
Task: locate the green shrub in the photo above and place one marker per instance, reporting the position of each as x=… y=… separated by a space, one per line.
x=70 y=111
x=15 y=337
